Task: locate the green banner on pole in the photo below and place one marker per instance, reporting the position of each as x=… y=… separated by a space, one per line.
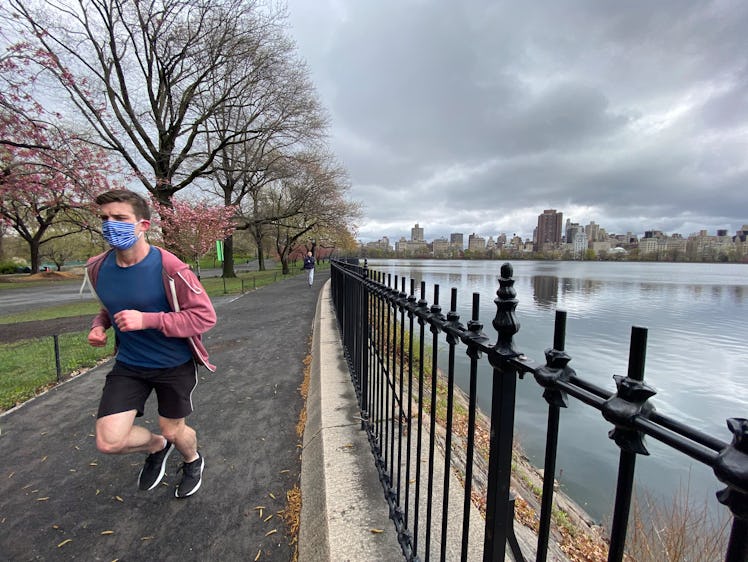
x=219 y=250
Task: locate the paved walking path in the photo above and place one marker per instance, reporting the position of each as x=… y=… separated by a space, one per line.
x=63 y=500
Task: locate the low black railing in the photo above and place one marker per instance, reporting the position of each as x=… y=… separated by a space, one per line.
x=397 y=395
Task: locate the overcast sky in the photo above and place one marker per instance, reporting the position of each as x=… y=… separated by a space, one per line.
x=475 y=116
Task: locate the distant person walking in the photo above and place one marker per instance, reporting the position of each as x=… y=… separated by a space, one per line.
x=158 y=310
x=309 y=267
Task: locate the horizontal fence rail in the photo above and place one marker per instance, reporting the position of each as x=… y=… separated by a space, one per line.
x=385 y=330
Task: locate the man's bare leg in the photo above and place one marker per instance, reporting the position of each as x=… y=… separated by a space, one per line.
x=117 y=434
x=183 y=436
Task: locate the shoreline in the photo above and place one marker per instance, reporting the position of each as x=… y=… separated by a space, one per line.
x=574 y=536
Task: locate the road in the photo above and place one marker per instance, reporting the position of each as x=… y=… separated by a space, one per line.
x=22 y=298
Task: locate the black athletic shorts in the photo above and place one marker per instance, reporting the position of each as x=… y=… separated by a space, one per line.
x=128 y=387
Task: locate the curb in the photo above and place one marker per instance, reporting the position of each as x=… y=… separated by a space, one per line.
x=344 y=515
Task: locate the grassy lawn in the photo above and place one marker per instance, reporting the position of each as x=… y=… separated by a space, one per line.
x=28 y=367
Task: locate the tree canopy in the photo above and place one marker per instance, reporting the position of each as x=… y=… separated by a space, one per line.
x=202 y=94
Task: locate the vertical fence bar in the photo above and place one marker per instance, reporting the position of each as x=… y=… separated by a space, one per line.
x=409 y=440
x=627 y=459
x=551 y=444
x=388 y=405
x=401 y=378
x=363 y=330
x=435 y=315
x=422 y=314
x=58 y=363
x=452 y=322
x=473 y=340
x=394 y=378
x=378 y=354
x=732 y=469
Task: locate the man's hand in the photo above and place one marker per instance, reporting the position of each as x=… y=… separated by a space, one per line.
x=97 y=337
x=129 y=320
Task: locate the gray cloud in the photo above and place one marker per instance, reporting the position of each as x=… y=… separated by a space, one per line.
x=476 y=116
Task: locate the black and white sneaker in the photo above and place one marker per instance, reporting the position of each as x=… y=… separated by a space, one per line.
x=154 y=468
x=192 y=477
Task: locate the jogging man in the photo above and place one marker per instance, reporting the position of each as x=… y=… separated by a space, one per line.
x=309 y=267
x=158 y=310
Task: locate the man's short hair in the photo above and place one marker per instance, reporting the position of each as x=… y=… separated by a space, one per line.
x=139 y=203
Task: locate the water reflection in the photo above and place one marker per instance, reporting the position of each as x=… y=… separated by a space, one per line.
x=545 y=290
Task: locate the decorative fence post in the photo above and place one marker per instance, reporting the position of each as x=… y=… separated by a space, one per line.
x=556 y=369
x=620 y=410
x=498 y=521
x=732 y=469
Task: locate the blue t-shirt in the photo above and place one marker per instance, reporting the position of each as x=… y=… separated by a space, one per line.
x=140 y=287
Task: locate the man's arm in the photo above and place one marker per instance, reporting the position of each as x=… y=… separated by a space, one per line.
x=101 y=322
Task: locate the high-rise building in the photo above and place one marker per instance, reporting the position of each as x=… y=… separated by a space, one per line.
x=476 y=243
x=592 y=231
x=457 y=240
x=571 y=231
x=416 y=234
x=549 y=228
x=440 y=246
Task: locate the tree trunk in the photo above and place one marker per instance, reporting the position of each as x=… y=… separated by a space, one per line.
x=228 y=257
x=197 y=266
x=260 y=259
x=34 y=254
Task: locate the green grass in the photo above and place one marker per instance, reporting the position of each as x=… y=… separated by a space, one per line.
x=243 y=282
x=28 y=366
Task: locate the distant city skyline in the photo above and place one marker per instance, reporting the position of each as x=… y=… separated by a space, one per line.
x=555 y=239
x=426 y=233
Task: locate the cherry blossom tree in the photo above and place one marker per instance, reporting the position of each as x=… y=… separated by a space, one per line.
x=47 y=172
x=191 y=228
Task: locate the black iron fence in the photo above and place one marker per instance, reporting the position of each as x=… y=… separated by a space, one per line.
x=384 y=330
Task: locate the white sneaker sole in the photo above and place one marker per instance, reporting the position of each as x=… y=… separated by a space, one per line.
x=199 y=483
x=161 y=473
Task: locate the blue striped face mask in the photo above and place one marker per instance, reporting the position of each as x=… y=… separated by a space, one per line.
x=120 y=235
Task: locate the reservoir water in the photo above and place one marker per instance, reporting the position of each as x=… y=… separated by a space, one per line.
x=697 y=352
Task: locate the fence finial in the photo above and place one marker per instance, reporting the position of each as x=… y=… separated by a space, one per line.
x=732 y=469
x=505 y=323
